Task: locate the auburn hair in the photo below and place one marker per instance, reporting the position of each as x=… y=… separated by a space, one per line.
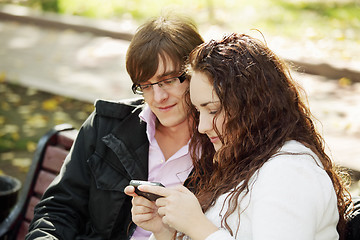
x=263 y=109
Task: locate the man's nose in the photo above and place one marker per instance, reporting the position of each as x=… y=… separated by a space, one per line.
x=159 y=93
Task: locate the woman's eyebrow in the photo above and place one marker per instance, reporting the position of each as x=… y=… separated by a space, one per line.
x=206 y=103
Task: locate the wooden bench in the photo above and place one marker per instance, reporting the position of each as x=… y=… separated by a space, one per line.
x=49 y=156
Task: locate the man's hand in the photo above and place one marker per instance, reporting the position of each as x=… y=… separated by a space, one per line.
x=145 y=215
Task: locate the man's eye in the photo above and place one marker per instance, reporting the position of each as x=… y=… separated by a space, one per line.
x=145 y=87
x=169 y=81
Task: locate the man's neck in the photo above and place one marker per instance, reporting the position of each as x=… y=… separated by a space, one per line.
x=177 y=131
x=171 y=139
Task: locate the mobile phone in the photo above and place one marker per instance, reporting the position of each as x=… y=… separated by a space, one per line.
x=149 y=196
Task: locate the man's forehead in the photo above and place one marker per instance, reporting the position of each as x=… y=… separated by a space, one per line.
x=166 y=67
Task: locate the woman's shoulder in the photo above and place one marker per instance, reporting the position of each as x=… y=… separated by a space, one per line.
x=292 y=154
x=297 y=166
x=296 y=147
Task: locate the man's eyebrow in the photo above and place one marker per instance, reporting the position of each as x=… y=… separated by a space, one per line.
x=165 y=74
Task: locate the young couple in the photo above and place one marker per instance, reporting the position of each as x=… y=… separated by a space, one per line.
x=245 y=145
x=260 y=170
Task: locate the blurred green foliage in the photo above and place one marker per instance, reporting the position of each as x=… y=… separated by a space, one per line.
x=337 y=19
x=340 y=18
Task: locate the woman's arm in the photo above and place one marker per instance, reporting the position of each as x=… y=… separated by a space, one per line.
x=293 y=198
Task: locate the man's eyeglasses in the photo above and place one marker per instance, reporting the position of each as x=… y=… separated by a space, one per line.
x=164 y=84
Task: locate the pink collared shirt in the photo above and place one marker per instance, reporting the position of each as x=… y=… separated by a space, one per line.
x=171 y=172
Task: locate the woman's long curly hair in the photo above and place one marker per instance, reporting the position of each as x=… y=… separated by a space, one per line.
x=263 y=110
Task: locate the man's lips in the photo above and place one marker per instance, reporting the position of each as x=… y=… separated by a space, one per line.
x=166 y=108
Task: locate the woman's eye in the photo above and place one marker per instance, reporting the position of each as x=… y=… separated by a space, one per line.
x=213 y=112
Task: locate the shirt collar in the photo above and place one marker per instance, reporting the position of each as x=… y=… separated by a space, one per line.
x=149 y=117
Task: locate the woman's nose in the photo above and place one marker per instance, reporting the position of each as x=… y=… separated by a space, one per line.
x=205 y=124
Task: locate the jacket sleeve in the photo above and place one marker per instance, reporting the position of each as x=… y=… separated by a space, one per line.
x=61 y=212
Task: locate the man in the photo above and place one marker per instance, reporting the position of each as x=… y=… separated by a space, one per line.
x=125 y=140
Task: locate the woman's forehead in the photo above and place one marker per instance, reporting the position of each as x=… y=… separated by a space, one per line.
x=201 y=90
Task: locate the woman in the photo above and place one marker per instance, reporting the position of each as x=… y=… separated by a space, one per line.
x=262 y=172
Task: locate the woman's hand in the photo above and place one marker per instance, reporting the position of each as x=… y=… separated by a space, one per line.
x=180 y=209
x=145 y=215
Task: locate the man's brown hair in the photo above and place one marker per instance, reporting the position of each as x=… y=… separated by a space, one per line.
x=165 y=36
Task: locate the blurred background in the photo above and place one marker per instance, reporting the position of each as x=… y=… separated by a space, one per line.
x=58 y=56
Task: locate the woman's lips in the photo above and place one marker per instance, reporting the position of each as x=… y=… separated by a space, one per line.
x=213 y=139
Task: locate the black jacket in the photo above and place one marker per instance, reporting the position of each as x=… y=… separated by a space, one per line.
x=87 y=200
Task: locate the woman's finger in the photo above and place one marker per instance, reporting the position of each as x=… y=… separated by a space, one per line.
x=161 y=211
x=181 y=188
x=161 y=191
x=161 y=202
x=166 y=222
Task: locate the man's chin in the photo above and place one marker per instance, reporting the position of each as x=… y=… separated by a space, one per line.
x=171 y=122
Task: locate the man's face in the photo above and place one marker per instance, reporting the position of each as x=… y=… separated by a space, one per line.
x=168 y=105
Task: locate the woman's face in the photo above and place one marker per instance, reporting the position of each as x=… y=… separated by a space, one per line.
x=207 y=103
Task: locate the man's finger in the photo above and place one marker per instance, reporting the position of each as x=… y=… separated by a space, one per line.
x=142 y=210
x=141 y=201
x=139 y=218
x=130 y=191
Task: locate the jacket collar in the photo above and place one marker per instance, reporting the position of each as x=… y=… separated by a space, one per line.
x=130 y=144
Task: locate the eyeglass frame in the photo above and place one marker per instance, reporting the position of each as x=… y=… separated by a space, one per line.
x=181 y=78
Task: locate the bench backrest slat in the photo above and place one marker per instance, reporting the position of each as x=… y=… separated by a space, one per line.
x=49 y=156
